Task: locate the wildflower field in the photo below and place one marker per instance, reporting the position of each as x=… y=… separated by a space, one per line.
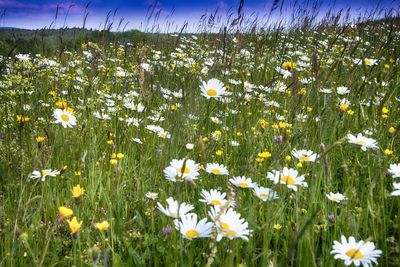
x=263 y=147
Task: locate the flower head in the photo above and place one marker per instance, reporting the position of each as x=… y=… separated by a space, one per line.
x=304 y=155
x=364 y=142
x=43 y=174
x=360 y=252
x=242 y=182
x=65 y=212
x=287 y=176
x=217 y=169
x=396 y=187
x=229 y=224
x=336 y=197
x=102 y=226
x=213 y=88
x=77 y=191
x=74 y=225
x=190 y=228
x=394 y=170
x=180 y=170
x=213 y=197
x=175 y=210
x=265 y=193
x=65 y=117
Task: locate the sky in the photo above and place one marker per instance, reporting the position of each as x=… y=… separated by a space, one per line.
x=167 y=15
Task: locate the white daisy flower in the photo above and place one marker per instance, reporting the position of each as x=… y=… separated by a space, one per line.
x=304 y=155
x=152 y=195
x=363 y=141
x=370 y=61
x=234 y=143
x=190 y=228
x=265 y=193
x=355 y=252
x=65 y=117
x=336 y=197
x=394 y=170
x=43 y=174
x=229 y=224
x=213 y=197
x=189 y=146
x=217 y=169
x=396 y=187
x=175 y=210
x=342 y=90
x=242 y=182
x=287 y=176
x=213 y=88
x=182 y=169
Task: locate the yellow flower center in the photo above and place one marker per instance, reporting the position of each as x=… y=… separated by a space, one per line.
x=243 y=185
x=355 y=254
x=216 y=171
x=184 y=171
x=264 y=195
x=225 y=226
x=288 y=180
x=343 y=107
x=45 y=173
x=216 y=202
x=192 y=233
x=65 y=117
x=335 y=199
x=212 y=92
x=231 y=233
x=304 y=158
x=361 y=142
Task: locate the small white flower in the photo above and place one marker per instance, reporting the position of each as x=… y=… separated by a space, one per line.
x=216 y=169
x=213 y=88
x=242 y=182
x=287 y=176
x=173 y=209
x=189 y=146
x=43 y=174
x=336 y=197
x=152 y=195
x=394 y=170
x=265 y=193
x=183 y=169
x=65 y=117
x=396 y=187
x=213 y=197
x=304 y=155
x=190 y=228
x=356 y=252
x=363 y=141
x=342 y=90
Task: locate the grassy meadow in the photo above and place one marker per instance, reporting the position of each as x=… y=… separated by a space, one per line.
x=94 y=141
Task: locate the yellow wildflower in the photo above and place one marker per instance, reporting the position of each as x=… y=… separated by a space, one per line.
x=289 y=65
x=77 y=191
x=40 y=139
x=65 y=212
x=103 y=226
x=74 y=225
x=22 y=118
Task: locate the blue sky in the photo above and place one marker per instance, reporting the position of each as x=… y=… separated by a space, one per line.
x=38 y=14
